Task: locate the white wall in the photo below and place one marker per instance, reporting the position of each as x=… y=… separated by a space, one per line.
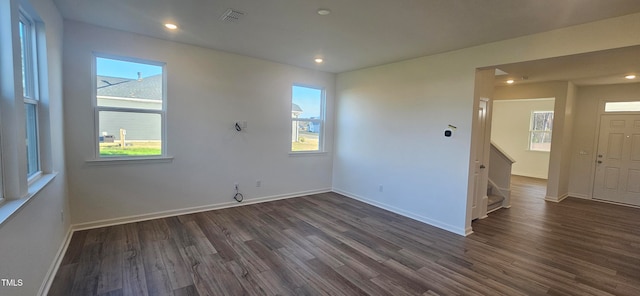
x=391 y=118
x=31 y=238
x=207 y=92
x=510 y=131
x=586 y=128
x=560 y=161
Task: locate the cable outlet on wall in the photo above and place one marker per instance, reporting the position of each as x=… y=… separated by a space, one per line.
x=235 y=186
x=258 y=183
x=380 y=188
x=62 y=216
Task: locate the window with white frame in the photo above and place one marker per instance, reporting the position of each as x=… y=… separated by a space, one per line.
x=29 y=61
x=24 y=107
x=541 y=129
x=307 y=119
x=130 y=108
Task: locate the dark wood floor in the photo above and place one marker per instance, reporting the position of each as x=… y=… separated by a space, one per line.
x=331 y=245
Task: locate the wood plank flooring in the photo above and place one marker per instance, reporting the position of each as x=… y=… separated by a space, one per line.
x=328 y=244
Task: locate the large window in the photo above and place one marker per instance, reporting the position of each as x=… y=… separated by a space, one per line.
x=29 y=63
x=130 y=107
x=307 y=119
x=541 y=128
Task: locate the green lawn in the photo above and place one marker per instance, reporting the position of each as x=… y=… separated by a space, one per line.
x=132 y=149
x=307 y=142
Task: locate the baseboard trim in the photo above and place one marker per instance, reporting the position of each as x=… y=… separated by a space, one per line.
x=556 y=199
x=579 y=195
x=435 y=223
x=191 y=210
x=55 y=265
x=615 y=203
x=468 y=231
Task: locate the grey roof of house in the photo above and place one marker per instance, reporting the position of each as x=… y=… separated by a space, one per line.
x=295 y=108
x=149 y=88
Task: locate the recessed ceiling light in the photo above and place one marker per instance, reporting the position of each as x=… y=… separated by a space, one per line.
x=318 y=60
x=323 y=11
x=510 y=81
x=170 y=26
x=630 y=76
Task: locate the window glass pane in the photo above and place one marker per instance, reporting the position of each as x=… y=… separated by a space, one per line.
x=32 y=139
x=130 y=134
x=542 y=121
x=622 y=106
x=541 y=131
x=128 y=84
x=305 y=135
x=540 y=141
x=23 y=58
x=306 y=102
x=306 y=118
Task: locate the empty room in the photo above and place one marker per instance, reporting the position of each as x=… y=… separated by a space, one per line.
x=319 y=147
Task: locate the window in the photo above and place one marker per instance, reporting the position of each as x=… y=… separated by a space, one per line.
x=307 y=119
x=130 y=108
x=633 y=106
x=30 y=92
x=540 y=133
x=25 y=125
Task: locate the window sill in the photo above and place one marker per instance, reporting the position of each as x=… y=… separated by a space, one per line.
x=8 y=207
x=310 y=153
x=129 y=160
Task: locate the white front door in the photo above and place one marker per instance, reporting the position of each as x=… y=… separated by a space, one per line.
x=480 y=174
x=618 y=160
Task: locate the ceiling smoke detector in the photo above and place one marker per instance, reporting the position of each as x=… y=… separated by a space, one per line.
x=232 y=15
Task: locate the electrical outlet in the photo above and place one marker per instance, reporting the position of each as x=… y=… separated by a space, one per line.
x=258 y=183
x=380 y=188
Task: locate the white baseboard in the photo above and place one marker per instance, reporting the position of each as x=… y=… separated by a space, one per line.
x=579 y=195
x=556 y=199
x=587 y=197
x=445 y=226
x=191 y=210
x=53 y=269
x=468 y=231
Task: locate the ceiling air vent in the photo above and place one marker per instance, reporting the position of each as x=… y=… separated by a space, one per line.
x=232 y=16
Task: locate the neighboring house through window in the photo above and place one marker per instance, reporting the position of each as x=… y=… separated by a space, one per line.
x=307 y=119
x=541 y=128
x=130 y=107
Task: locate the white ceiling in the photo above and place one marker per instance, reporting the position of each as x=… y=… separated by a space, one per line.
x=595 y=68
x=357 y=34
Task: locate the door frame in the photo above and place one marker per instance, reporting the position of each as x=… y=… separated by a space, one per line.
x=596 y=139
x=480 y=195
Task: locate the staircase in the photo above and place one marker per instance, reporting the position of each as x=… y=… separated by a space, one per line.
x=499 y=187
x=494 y=201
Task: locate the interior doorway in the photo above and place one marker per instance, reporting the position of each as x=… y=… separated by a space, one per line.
x=523 y=128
